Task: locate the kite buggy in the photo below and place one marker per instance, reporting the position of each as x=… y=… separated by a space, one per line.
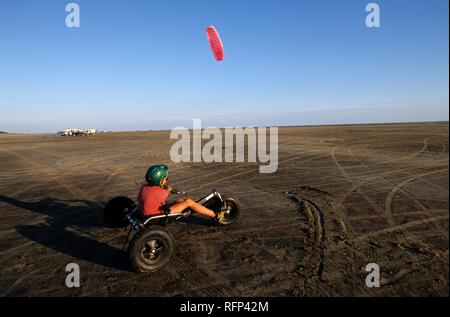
x=152 y=246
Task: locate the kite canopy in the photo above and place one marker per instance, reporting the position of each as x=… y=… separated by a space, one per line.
x=215 y=42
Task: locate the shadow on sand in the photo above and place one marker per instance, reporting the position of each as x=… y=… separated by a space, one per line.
x=67 y=230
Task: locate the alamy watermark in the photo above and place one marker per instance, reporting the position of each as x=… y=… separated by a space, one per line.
x=73 y=18
x=73 y=278
x=373 y=278
x=373 y=18
x=219 y=150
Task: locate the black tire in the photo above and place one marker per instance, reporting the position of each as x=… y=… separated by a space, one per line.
x=150 y=250
x=114 y=209
x=233 y=213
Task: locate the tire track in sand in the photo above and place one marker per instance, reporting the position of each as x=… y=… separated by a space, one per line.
x=401 y=227
x=397 y=188
x=357 y=186
x=69 y=186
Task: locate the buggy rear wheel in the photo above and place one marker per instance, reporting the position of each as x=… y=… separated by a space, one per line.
x=150 y=250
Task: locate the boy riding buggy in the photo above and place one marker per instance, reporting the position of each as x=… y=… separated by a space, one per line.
x=152 y=246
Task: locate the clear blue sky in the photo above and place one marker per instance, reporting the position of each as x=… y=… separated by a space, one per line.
x=147 y=64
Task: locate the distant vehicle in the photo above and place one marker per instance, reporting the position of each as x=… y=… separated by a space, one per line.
x=76 y=132
x=90 y=131
x=72 y=132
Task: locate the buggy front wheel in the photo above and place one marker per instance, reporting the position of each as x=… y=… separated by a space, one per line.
x=232 y=213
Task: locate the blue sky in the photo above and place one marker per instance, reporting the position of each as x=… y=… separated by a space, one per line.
x=147 y=64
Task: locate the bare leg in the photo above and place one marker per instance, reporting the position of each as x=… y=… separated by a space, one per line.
x=196 y=207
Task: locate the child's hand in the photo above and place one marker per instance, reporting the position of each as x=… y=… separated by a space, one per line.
x=169 y=188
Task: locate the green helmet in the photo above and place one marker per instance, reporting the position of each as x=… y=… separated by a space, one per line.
x=156 y=175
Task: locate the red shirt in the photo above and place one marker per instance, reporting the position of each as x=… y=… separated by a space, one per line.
x=151 y=198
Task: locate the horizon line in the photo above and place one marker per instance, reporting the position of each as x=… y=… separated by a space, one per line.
x=266 y=126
